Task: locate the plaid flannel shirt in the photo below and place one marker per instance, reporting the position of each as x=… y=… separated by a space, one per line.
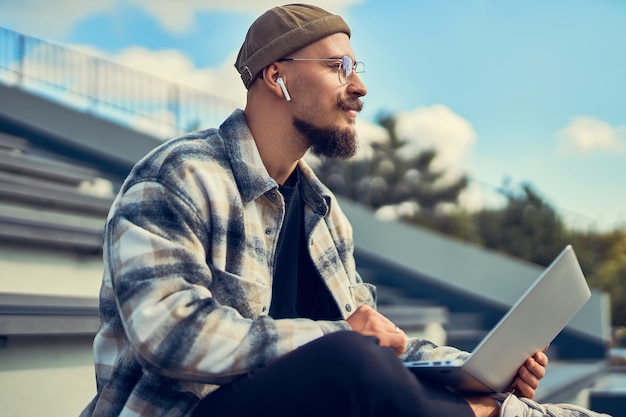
x=189 y=246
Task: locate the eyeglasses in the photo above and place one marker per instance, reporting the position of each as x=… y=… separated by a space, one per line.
x=345 y=66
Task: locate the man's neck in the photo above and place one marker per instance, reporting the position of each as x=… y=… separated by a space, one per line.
x=277 y=143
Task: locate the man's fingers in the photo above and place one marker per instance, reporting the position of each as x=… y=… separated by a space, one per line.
x=541 y=358
x=398 y=342
x=523 y=389
x=370 y=322
x=535 y=367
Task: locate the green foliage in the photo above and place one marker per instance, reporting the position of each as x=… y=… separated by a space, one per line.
x=603 y=259
x=528 y=227
x=388 y=179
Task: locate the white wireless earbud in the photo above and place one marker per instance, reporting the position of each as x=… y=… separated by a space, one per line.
x=281 y=83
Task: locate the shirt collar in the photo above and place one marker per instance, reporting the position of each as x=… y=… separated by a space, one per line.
x=250 y=173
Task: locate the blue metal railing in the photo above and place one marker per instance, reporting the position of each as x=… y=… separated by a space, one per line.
x=126 y=96
x=109 y=90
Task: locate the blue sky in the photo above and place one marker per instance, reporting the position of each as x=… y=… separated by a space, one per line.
x=530 y=90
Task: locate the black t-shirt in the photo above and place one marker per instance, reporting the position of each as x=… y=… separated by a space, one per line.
x=297 y=289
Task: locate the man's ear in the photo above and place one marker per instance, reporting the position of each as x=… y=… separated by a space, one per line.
x=269 y=76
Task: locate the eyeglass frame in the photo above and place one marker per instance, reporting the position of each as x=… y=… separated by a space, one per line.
x=347 y=70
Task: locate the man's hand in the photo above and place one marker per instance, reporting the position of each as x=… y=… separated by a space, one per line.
x=529 y=375
x=370 y=322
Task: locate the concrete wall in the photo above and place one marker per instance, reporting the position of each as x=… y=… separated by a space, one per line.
x=49 y=272
x=46 y=376
x=73 y=131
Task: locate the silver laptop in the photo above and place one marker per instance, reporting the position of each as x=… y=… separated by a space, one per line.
x=529 y=326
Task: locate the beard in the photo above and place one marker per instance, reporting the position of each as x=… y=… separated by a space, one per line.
x=331 y=141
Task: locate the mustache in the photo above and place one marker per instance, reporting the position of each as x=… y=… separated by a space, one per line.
x=352 y=103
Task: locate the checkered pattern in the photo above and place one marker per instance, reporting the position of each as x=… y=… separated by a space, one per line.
x=189 y=247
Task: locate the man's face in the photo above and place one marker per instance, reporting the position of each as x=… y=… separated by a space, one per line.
x=324 y=109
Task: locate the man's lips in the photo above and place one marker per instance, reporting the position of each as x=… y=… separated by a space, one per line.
x=352 y=109
x=351 y=106
x=352 y=113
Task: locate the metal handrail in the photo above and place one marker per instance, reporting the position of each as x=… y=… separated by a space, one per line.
x=109 y=90
x=130 y=97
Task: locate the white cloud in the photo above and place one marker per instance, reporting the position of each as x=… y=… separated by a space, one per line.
x=473 y=198
x=174 y=66
x=453 y=137
x=54 y=19
x=586 y=134
x=368 y=133
x=152 y=98
x=179 y=17
x=439 y=128
x=50 y=19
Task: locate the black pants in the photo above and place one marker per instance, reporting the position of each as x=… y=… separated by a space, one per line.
x=342 y=374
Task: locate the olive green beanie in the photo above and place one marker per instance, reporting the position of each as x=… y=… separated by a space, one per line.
x=281 y=31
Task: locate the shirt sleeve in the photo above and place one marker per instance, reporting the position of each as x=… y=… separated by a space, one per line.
x=424 y=350
x=364 y=293
x=156 y=250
